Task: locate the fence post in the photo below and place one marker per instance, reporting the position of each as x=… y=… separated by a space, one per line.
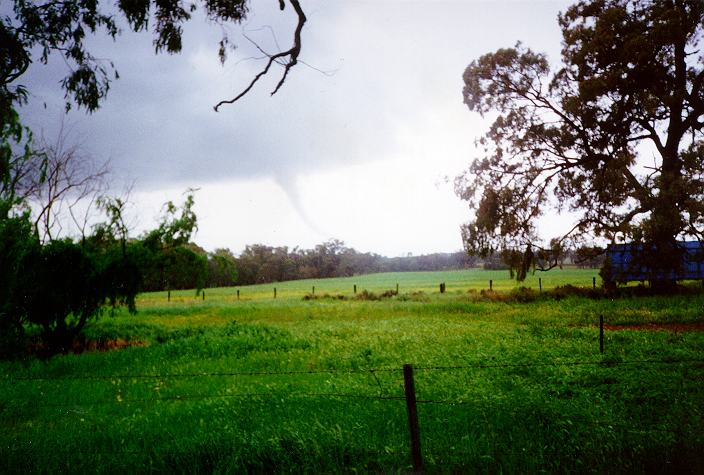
x=314 y=290
x=412 y=418
x=540 y=284
x=238 y=294
x=396 y=288
x=202 y=293
x=594 y=283
x=274 y=292
x=601 y=334
x=491 y=284
x=168 y=296
x=355 y=289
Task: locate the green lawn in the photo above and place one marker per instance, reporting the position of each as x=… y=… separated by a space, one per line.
x=286 y=384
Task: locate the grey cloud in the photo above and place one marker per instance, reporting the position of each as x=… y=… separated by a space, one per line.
x=157 y=125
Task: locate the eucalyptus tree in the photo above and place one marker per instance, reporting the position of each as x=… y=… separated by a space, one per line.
x=613 y=135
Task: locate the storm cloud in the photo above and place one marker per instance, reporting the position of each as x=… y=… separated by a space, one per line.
x=381 y=83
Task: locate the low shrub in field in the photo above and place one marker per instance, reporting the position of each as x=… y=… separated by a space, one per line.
x=324 y=296
x=523 y=295
x=366 y=295
x=527 y=294
x=568 y=290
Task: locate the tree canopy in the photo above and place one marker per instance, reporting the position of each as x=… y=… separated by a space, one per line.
x=613 y=135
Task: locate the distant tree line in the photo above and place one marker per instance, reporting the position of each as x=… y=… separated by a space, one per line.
x=192 y=267
x=258 y=263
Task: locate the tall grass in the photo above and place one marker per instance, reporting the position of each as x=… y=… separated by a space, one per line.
x=294 y=385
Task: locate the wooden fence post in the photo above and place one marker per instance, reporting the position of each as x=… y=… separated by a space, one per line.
x=168 y=296
x=396 y=288
x=601 y=334
x=594 y=283
x=202 y=293
x=314 y=290
x=412 y=418
x=355 y=289
x=540 y=284
x=238 y=294
x=274 y=292
x=491 y=284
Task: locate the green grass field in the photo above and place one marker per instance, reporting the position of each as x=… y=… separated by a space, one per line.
x=288 y=384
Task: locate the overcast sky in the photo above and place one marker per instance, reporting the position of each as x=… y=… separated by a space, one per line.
x=355 y=147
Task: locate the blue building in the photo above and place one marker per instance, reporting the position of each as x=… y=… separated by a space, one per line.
x=624 y=268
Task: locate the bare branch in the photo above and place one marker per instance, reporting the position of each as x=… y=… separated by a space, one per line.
x=292 y=54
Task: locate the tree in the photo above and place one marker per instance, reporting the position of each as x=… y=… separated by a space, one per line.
x=17 y=242
x=222 y=269
x=630 y=86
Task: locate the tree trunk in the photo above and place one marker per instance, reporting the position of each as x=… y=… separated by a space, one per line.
x=663 y=255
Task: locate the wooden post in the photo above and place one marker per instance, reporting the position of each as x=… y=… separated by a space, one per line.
x=491 y=284
x=594 y=283
x=274 y=292
x=442 y=287
x=396 y=288
x=601 y=334
x=202 y=293
x=168 y=296
x=412 y=418
x=238 y=294
x=355 y=289
x=540 y=284
x=314 y=290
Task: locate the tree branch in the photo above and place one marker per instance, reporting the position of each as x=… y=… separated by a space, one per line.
x=292 y=54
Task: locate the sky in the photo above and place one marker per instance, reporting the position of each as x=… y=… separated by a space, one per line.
x=361 y=143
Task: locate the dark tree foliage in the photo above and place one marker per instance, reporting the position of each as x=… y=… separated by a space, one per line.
x=169 y=262
x=63 y=287
x=58 y=286
x=17 y=243
x=614 y=136
x=261 y=264
x=222 y=269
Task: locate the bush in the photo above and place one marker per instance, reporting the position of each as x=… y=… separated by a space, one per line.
x=16 y=243
x=62 y=288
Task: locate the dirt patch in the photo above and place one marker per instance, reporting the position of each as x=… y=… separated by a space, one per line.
x=659 y=327
x=81 y=346
x=104 y=345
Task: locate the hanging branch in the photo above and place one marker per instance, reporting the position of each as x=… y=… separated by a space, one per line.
x=291 y=53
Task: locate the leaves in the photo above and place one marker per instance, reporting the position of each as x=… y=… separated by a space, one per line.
x=570 y=140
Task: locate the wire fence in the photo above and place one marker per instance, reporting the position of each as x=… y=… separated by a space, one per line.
x=558 y=363
x=597 y=420
x=328 y=371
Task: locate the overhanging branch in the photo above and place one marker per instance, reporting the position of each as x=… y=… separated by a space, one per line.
x=291 y=53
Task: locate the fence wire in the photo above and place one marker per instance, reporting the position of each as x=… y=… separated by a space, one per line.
x=11 y=404
x=605 y=363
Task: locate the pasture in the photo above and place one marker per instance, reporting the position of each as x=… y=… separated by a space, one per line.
x=288 y=384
